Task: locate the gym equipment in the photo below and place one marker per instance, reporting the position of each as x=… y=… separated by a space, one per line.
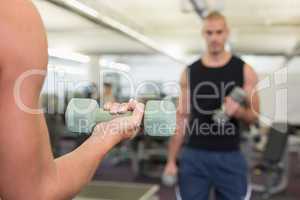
x=116 y=191
x=239 y=96
x=274 y=165
x=83 y=114
x=168 y=180
x=148 y=155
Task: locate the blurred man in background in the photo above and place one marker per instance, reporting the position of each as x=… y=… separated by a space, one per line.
x=211 y=157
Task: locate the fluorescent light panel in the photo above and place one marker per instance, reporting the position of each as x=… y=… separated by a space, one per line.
x=67 y=70
x=77 y=57
x=114 y=65
x=82 y=7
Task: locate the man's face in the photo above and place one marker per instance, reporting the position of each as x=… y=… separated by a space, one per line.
x=215 y=33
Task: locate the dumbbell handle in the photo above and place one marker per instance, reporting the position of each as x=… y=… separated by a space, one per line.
x=105 y=116
x=239 y=96
x=102 y=115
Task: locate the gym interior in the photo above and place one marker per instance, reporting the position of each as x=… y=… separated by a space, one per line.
x=113 y=51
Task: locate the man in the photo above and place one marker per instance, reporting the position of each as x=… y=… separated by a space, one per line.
x=108 y=95
x=27 y=169
x=211 y=156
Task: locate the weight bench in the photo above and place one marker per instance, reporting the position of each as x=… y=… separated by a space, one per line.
x=274 y=164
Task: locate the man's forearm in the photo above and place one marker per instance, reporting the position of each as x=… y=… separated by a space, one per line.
x=247 y=115
x=174 y=148
x=76 y=169
x=177 y=140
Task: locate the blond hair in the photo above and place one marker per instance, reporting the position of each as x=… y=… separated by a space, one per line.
x=214 y=15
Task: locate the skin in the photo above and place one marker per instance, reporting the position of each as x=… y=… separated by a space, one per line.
x=28 y=169
x=215 y=33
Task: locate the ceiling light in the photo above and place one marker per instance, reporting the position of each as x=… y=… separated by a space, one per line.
x=105 y=63
x=120 y=66
x=175 y=50
x=63 y=69
x=83 y=7
x=77 y=57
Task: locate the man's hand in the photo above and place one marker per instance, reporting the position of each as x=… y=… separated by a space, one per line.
x=123 y=127
x=171 y=168
x=232 y=108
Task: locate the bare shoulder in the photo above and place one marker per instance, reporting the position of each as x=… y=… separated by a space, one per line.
x=23 y=39
x=184 y=78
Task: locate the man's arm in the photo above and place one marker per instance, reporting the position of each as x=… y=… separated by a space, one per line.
x=27 y=168
x=250 y=113
x=182 y=115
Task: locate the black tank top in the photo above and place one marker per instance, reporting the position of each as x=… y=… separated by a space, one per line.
x=208 y=87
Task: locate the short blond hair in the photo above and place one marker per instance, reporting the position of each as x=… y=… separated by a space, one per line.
x=214 y=15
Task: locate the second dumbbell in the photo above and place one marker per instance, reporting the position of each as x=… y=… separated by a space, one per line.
x=239 y=96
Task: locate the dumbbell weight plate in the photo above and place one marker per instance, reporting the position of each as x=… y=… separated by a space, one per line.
x=160 y=118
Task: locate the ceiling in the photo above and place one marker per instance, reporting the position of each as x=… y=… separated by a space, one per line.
x=257 y=26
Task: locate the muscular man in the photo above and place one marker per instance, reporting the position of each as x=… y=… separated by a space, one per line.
x=211 y=156
x=27 y=169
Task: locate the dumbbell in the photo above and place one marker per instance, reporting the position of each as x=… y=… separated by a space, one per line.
x=169 y=180
x=83 y=114
x=239 y=96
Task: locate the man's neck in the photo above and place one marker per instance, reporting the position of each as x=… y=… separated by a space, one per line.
x=215 y=60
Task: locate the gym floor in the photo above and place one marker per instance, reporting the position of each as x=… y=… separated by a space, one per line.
x=122 y=173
